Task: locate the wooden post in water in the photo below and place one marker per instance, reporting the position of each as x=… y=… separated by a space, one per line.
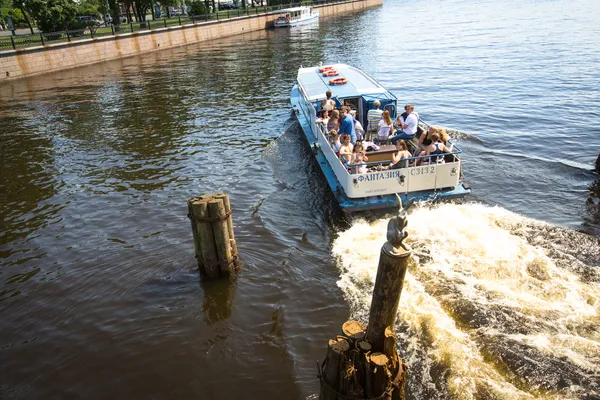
x=369 y=367
x=393 y=262
x=214 y=242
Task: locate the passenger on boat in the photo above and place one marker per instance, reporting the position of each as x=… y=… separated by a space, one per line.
x=346 y=148
x=373 y=118
x=333 y=122
x=359 y=157
x=436 y=148
x=384 y=127
x=335 y=141
x=347 y=124
x=358 y=128
x=328 y=104
x=400 y=158
x=323 y=117
x=408 y=123
x=425 y=139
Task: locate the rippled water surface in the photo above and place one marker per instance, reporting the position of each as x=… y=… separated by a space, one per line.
x=99 y=294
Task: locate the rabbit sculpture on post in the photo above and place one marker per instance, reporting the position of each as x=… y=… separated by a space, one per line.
x=395 y=229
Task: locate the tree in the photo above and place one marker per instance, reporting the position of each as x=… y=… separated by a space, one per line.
x=115 y=9
x=5 y=7
x=92 y=8
x=198 y=8
x=25 y=11
x=53 y=15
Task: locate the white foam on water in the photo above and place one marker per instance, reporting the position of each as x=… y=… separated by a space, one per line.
x=482 y=286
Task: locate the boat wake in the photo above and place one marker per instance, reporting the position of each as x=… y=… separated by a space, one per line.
x=496 y=305
x=464 y=136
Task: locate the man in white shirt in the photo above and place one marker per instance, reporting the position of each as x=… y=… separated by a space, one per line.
x=373 y=118
x=409 y=120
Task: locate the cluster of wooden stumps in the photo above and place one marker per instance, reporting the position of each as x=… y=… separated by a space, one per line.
x=214 y=241
x=362 y=362
x=352 y=370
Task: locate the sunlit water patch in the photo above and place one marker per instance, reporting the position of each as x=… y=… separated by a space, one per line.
x=495 y=305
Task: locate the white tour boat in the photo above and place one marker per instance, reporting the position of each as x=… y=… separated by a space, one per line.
x=296 y=16
x=376 y=188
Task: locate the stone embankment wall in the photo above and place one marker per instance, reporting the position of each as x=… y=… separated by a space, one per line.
x=21 y=63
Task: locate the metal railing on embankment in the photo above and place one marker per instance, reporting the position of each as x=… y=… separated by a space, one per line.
x=41 y=39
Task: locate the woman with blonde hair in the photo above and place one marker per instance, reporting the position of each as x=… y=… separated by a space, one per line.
x=384 y=129
x=436 y=150
x=335 y=141
x=425 y=139
x=333 y=122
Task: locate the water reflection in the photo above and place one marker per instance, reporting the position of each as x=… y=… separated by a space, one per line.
x=219 y=297
x=28 y=180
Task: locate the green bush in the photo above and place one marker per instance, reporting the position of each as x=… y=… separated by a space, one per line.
x=198 y=8
x=54 y=15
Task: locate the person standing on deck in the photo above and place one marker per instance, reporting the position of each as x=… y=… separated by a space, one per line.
x=409 y=121
x=347 y=124
x=328 y=104
x=373 y=118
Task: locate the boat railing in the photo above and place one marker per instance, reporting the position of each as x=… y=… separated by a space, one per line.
x=414 y=159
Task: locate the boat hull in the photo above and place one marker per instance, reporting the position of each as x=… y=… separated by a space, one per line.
x=352 y=205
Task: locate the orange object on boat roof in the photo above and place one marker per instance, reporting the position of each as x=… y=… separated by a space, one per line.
x=323 y=69
x=338 y=81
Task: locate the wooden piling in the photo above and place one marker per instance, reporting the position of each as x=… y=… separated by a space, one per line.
x=336 y=357
x=212 y=229
x=352 y=371
x=370 y=367
x=386 y=294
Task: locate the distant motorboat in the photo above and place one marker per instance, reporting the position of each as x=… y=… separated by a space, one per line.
x=296 y=16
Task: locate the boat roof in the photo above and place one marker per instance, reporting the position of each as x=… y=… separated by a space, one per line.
x=293 y=9
x=359 y=83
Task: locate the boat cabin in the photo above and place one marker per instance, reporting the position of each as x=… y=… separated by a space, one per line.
x=294 y=15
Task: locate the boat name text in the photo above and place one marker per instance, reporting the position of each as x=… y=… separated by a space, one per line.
x=395 y=174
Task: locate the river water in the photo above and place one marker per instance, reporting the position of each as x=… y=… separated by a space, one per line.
x=99 y=294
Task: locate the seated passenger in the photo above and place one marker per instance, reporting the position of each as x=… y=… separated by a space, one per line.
x=384 y=127
x=436 y=148
x=425 y=139
x=358 y=157
x=373 y=118
x=335 y=141
x=444 y=137
x=407 y=124
x=346 y=149
x=358 y=128
x=400 y=158
x=328 y=104
x=333 y=122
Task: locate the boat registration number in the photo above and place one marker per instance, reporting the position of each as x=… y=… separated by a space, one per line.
x=427 y=170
